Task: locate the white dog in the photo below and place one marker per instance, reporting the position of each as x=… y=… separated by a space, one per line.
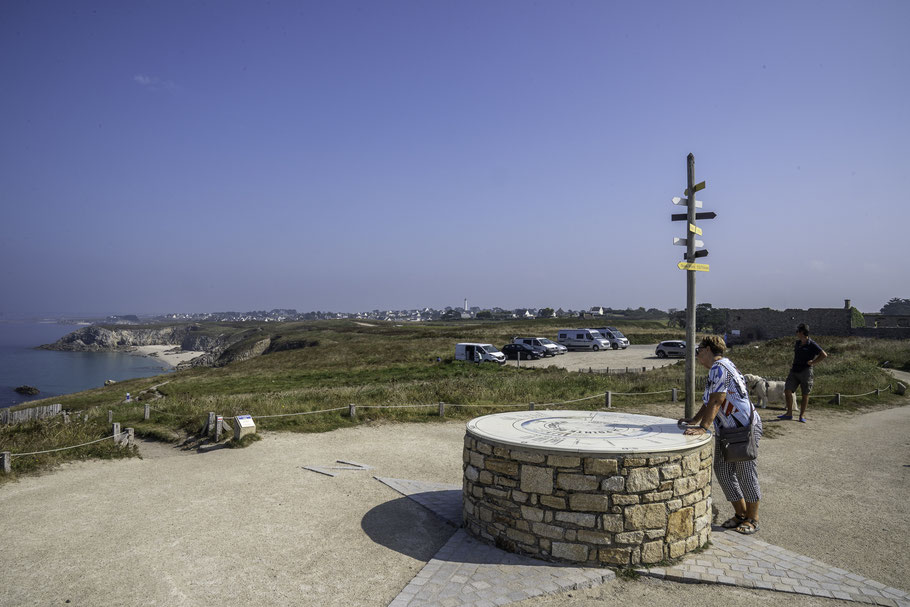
x=764 y=391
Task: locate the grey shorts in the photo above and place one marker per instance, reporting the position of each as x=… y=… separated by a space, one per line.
x=803 y=379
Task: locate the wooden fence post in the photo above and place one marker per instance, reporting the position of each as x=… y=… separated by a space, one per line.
x=219 y=427
x=146 y=415
x=837 y=398
x=608 y=399
x=130 y=437
x=530 y=406
x=352 y=411
x=674 y=395
x=110 y=416
x=116 y=432
x=5 y=462
x=442 y=409
x=210 y=424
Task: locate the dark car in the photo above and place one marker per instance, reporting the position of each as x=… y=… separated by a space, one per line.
x=513 y=351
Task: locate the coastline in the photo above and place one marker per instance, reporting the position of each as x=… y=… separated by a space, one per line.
x=169 y=355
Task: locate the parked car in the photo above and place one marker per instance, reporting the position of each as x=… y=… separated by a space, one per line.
x=525 y=352
x=476 y=352
x=582 y=339
x=614 y=336
x=540 y=344
x=560 y=349
x=674 y=347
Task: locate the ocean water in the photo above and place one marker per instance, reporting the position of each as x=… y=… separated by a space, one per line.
x=56 y=373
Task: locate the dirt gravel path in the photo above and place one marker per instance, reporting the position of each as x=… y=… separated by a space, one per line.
x=252 y=527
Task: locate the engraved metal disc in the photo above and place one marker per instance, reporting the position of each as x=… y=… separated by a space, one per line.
x=584 y=432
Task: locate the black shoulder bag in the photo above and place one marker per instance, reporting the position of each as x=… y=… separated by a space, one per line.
x=738 y=444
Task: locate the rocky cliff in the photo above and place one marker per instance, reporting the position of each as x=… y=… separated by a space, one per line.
x=220 y=348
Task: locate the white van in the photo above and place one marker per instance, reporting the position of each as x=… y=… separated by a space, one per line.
x=614 y=336
x=541 y=345
x=475 y=352
x=582 y=339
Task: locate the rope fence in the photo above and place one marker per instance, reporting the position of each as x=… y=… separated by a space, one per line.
x=607 y=396
x=119 y=434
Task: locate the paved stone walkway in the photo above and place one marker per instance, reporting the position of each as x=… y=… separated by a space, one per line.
x=467 y=572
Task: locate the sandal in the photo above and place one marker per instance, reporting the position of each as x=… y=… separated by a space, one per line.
x=785 y=416
x=748 y=526
x=733 y=522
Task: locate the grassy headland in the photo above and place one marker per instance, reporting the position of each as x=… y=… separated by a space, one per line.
x=379 y=363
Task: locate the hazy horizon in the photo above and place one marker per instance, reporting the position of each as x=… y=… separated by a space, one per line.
x=173 y=157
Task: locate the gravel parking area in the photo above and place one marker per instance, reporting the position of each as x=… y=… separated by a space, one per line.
x=634 y=357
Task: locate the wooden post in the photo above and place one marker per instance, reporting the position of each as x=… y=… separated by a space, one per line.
x=146 y=416
x=116 y=433
x=837 y=398
x=110 y=416
x=352 y=411
x=442 y=409
x=219 y=427
x=210 y=424
x=5 y=462
x=674 y=396
x=608 y=399
x=530 y=406
x=877 y=392
x=130 y=437
x=690 y=290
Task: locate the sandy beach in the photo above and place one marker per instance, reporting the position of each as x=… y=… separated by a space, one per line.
x=253 y=527
x=170 y=355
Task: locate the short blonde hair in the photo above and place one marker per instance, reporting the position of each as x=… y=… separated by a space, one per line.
x=715 y=343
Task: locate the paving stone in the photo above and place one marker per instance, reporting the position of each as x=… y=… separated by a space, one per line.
x=468 y=572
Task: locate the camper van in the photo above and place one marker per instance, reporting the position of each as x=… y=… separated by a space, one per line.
x=582 y=339
x=487 y=353
x=614 y=336
x=541 y=345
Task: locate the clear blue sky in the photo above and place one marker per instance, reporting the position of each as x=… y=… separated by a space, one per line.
x=186 y=156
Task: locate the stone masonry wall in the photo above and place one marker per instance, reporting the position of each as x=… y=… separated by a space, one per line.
x=619 y=510
x=765 y=323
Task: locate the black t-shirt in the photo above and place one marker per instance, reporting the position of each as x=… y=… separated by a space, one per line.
x=802 y=354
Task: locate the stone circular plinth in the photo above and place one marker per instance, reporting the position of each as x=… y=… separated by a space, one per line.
x=587 y=487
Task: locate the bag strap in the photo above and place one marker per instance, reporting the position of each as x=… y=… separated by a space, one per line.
x=739 y=391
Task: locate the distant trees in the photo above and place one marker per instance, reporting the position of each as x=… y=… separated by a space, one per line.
x=484 y=315
x=545 y=313
x=897 y=307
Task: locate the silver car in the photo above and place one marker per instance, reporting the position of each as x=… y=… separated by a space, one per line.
x=673 y=347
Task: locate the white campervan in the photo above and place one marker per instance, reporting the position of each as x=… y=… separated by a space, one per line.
x=541 y=345
x=476 y=352
x=614 y=336
x=582 y=339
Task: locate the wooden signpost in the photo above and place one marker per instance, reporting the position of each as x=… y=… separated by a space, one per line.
x=688 y=264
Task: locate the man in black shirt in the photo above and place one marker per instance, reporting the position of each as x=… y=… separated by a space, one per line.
x=806 y=354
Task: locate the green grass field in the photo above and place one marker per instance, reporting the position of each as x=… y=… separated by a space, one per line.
x=387 y=364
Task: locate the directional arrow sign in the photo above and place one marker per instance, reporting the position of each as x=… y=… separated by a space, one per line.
x=685 y=201
x=702 y=253
x=698 y=216
x=698 y=267
x=682 y=242
x=698 y=186
x=694 y=229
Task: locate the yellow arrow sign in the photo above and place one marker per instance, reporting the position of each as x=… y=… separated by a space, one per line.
x=695 y=229
x=698 y=267
x=698 y=186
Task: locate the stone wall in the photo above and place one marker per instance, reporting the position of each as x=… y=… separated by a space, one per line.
x=617 y=509
x=765 y=323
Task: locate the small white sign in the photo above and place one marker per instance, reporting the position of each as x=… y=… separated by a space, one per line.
x=245 y=421
x=685 y=201
x=682 y=242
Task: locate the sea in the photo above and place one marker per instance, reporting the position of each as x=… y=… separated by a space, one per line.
x=55 y=373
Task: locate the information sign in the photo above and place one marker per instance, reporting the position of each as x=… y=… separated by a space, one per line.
x=698 y=267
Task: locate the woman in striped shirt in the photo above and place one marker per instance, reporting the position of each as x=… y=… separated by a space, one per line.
x=726 y=404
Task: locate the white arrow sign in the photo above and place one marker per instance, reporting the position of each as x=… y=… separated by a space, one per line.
x=685 y=201
x=682 y=242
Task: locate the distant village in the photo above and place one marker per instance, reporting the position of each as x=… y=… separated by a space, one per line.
x=411 y=315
